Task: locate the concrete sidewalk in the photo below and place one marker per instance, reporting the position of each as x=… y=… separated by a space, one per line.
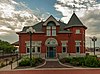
x=8 y=67
x=54 y=64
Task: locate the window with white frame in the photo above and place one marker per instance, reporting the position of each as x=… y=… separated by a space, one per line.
x=78 y=31
x=48 y=31
x=77 y=49
x=64 y=49
x=38 y=49
x=64 y=46
x=78 y=46
x=77 y=43
x=53 y=30
x=36 y=46
x=28 y=50
x=33 y=49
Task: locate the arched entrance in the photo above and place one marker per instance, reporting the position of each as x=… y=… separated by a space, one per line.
x=51 y=44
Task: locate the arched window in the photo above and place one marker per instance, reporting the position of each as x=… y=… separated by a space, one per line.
x=51 y=29
x=51 y=42
x=51 y=23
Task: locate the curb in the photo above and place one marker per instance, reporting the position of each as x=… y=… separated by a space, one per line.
x=41 y=65
x=65 y=65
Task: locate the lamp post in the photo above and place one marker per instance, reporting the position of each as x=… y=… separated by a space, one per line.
x=94 y=39
x=90 y=43
x=30 y=30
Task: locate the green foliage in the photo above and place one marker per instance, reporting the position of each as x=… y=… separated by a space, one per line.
x=26 y=61
x=67 y=60
x=6 y=47
x=38 y=60
x=88 y=61
x=91 y=61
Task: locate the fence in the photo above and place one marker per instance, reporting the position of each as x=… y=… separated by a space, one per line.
x=6 y=59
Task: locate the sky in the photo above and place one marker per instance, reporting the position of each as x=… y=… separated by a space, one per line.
x=15 y=14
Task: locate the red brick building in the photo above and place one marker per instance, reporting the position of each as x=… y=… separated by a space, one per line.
x=52 y=38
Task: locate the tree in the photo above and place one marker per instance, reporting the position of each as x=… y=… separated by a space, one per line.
x=6 y=47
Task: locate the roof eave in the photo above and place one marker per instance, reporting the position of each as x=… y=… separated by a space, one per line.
x=74 y=26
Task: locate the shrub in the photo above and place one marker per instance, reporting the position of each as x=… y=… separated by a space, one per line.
x=88 y=61
x=68 y=59
x=91 y=61
x=26 y=61
x=38 y=60
x=75 y=61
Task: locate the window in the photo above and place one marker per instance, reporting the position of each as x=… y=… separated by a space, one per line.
x=77 y=31
x=64 y=43
x=64 y=46
x=77 y=43
x=53 y=31
x=38 y=49
x=77 y=46
x=77 y=49
x=33 y=49
x=28 y=50
x=63 y=49
x=36 y=46
x=48 y=31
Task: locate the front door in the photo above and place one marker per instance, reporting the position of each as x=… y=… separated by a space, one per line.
x=51 y=52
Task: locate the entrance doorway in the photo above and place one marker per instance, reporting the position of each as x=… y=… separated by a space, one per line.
x=51 y=52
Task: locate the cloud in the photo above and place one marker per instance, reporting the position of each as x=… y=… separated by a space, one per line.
x=14 y=16
x=92 y=21
x=66 y=7
x=87 y=10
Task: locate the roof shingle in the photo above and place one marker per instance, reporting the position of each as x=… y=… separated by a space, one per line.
x=74 y=21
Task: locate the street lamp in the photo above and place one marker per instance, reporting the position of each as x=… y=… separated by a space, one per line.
x=90 y=42
x=30 y=30
x=94 y=39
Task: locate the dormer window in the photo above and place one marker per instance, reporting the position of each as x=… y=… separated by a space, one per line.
x=78 y=31
x=51 y=29
x=48 y=31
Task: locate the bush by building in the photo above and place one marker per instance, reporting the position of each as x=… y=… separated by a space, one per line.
x=26 y=61
x=87 y=61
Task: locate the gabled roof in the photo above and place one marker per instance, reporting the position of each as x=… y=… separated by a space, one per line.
x=37 y=27
x=62 y=25
x=74 y=21
x=51 y=18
